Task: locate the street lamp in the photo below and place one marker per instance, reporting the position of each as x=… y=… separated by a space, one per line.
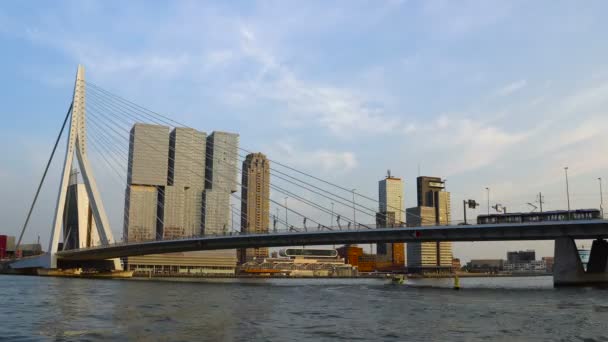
x=400 y=211
x=488 y=197
x=286 y=223
x=567 y=191
x=354 y=212
x=232 y=211
x=601 y=198
x=331 y=221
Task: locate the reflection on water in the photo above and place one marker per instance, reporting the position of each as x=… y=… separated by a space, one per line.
x=38 y=308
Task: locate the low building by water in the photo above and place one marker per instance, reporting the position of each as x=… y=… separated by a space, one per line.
x=301 y=262
x=199 y=263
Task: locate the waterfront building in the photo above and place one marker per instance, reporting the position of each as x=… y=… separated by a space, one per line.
x=255 y=203
x=300 y=262
x=533 y=266
x=485 y=265
x=148 y=155
x=220 y=181
x=140 y=213
x=516 y=257
x=549 y=261
x=390 y=214
x=146 y=177
x=584 y=254
x=198 y=263
x=165 y=196
x=4 y=246
x=187 y=166
x=434 y=208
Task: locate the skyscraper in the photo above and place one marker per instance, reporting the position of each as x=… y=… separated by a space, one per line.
x=186 y=180
x=220 y=181
x=434 y=208
x=255 y=204
x=147 y=170
x=164 y=197
x=390 y=191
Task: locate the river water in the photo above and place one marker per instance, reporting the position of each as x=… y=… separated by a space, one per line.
x=485 y=309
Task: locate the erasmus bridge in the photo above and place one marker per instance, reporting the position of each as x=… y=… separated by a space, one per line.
x=98 y=124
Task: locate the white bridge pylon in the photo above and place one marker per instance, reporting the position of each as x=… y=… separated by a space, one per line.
x=77 y=145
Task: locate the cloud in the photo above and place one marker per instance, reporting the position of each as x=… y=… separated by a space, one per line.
x=343 y=112
x=319 y=160
x=511 y=88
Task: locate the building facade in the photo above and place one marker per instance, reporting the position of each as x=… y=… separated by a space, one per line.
x=220 y=181
x=390 y=214
x=434 y=208
x=164 y=199
x=146 y=178
x=255 y=205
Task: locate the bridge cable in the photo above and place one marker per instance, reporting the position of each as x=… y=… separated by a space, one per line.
x=46 y=169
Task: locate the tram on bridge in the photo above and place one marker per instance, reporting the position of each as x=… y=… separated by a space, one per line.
x=546 y=216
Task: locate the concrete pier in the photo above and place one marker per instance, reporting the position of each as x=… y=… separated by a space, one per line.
x=568 y=269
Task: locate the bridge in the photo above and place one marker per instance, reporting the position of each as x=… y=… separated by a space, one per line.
x=109 y=113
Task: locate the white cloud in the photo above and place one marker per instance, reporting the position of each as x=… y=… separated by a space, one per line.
x=345 y=113
x=511 y=88
x=319 y=160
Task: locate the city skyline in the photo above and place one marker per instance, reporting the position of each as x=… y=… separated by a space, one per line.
x=492 y=128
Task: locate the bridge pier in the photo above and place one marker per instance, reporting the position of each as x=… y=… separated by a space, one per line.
x=568 y=269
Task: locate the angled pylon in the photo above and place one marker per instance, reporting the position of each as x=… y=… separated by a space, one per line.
x=77 y=145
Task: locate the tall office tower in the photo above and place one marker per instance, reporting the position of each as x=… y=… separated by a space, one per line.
x=80 y=230
x=220 y=181
x=165 y=198
x=148 y=155
x=147 y=170
x=183 y=200
x=434 y=208
x=222 y=153
x=255 y=203
x=390 y=191
x=187 y=158
x=170 y=212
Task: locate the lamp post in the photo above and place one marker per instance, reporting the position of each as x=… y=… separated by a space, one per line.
x=286 y=222
x=354 y=212
x=400 y=211
x=232 y=211
x=601 y=198
x=488 y=197
x=567 y=191
x=331 y=221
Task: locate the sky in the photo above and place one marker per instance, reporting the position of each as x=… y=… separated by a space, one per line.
x=491 y=94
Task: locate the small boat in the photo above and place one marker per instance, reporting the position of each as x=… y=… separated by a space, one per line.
x=56 y=272
x=398 y=279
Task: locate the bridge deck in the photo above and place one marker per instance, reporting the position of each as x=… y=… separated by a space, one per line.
x=590 y=229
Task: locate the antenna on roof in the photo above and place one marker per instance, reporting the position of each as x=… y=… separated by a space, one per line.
x=388 y=173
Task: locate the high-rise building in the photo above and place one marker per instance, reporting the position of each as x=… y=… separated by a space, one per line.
x=255 y=204
x=222 y=153
x=164 y=197
x=220 y=181
x=390 y=191
x=140 y=213
x=187 y=158
x=147 y=171
x=148 y=155
x=434 y=208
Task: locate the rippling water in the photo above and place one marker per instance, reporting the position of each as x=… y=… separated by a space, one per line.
x=505 y=309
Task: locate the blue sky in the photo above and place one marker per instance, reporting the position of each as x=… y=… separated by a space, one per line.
x=484 y=93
